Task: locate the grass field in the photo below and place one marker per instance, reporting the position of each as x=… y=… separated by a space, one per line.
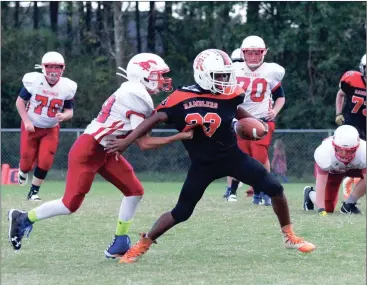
x=222 y=243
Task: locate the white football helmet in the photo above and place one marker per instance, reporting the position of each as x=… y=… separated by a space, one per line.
x=148 y=69
x=236 y=55
x=362 y=65
x=346 y=143
x=213 y=70
x=53 y=66
x=253 y=51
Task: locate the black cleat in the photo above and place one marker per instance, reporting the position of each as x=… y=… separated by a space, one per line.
x=307 y=203
x=348 y=208
x=33 y=195
x=19 y=225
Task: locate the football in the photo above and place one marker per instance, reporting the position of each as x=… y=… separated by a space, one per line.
x=249 y=128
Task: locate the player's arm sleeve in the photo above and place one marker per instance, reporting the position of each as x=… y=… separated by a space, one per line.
x=69 y=104
x=135 y=121
x=165 y=107
x=278 y=93
x=24 y=94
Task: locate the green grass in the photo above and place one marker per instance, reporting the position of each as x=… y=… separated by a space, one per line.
x=222 y=243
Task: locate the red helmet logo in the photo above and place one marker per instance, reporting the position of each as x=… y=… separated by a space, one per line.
x=145 y=65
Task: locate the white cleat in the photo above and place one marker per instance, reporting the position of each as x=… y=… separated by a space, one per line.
x=232 y=198
x=34 y=198
x=22 y=178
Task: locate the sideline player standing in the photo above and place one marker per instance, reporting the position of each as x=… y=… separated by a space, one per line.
x=261 y=82
x=352 y=91
x=122 y=112
x=208 y=108
x=44 y=101
x=341 y=155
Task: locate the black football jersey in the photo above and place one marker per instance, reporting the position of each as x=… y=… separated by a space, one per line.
x=209 y=115
x=354 y=86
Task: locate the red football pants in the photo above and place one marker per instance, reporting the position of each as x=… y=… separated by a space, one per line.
x=87 y=158
x=333 y=184
x=258 y=149
x=39 y=146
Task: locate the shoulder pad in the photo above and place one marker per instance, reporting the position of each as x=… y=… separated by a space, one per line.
x=29 y=79
x=322 y=155
x=361 y=152
x=136 y=97
x=349 y=75
x=70 y=87
x=277 y=71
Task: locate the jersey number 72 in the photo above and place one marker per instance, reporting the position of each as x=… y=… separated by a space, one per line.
x=210 y=122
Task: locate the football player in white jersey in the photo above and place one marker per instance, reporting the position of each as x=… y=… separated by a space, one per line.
x=122 y=112
x=264 y=99
x=44 y=101
x=339 y=156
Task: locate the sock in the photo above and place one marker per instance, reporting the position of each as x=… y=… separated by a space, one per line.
x=351 y=199
x=312 y=196
x=234 y=186
x=287 y=229
x=24 y=174
x=122 y=227
x=35 y=189
x=48 y=210
x=126 y=214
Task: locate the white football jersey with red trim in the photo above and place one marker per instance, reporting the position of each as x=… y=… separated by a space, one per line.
x=46 y=101
x=325 y=158
x=258 y=86
x=113 y=121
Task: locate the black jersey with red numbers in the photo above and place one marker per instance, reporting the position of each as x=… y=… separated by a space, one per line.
x=354 y=86
x=209 y=115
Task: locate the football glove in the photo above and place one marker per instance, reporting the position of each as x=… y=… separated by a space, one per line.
x=339 y=119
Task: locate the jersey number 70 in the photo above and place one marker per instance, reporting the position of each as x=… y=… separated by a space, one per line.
x=210 y=122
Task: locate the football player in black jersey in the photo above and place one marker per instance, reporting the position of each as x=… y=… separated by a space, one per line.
x=208 y=109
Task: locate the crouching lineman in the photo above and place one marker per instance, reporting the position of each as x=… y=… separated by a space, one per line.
x=341 y=155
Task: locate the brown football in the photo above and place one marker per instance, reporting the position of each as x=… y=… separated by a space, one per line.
x=249 y=128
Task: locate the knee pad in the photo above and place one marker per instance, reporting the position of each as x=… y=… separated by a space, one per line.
x=271 y=186
x=40 y=173
x=182 y=212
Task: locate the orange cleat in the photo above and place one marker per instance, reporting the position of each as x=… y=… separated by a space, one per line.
x=137 y=249
x=291 y=241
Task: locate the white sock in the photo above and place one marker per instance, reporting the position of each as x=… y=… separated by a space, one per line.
x=51 y=209
x=312 y=195
x=22 y=173
x=128 y=207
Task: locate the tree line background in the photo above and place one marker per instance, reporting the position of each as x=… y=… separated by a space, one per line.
x=316 y=42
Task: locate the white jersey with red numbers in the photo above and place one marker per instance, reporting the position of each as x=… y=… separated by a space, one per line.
x=122 y=112
x=47 y=101
x=258 y=86
x=327 y=161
